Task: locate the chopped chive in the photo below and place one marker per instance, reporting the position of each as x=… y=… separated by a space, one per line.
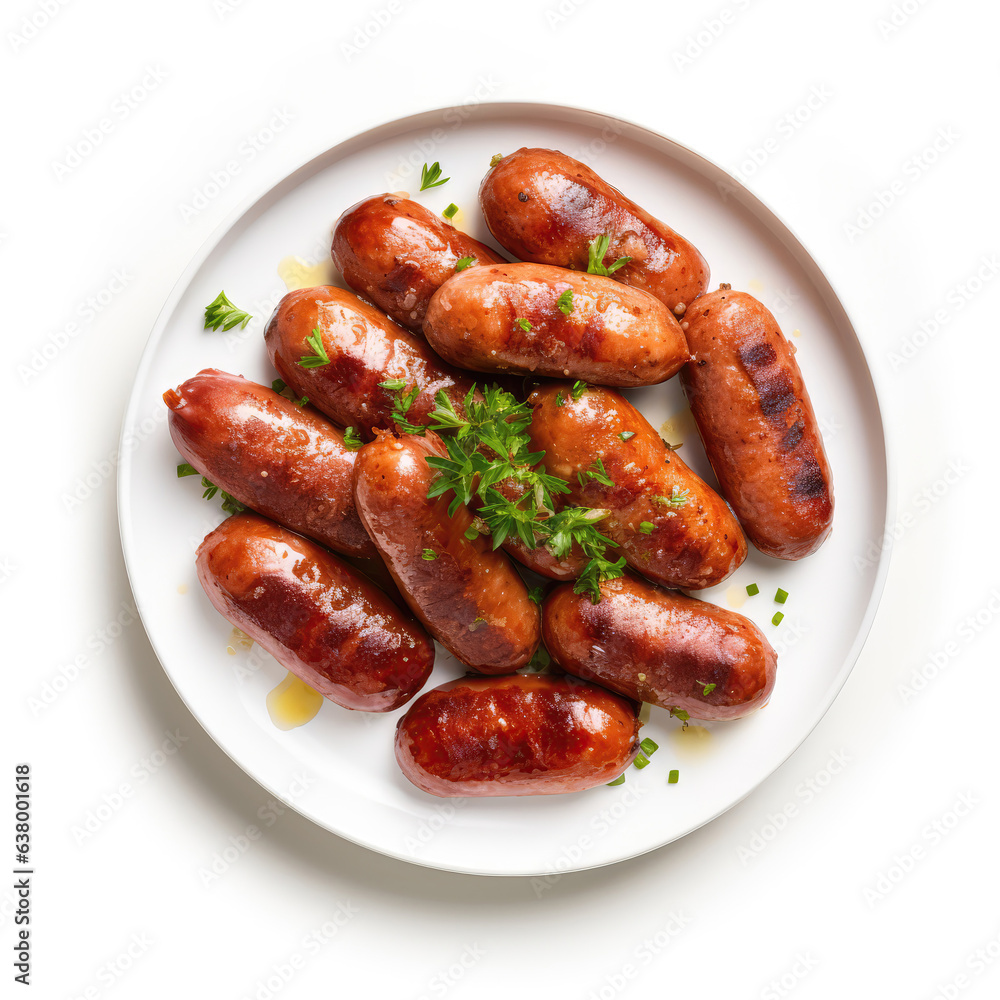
x=649 y=747
x=672 y=777
x=752 y=590
x=464 y=262
x=708 y=689
x=428 y=555
x=524 y=324
x=620 y=780
x=352 y=440
x=780 y=596
x=640 y=762
x=625 y=435
x=776 y=620
x=186 y=470
x=471 y=533
x=647 y=527
x=451 y=211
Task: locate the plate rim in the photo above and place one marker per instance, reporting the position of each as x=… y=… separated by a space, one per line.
x=577 y=115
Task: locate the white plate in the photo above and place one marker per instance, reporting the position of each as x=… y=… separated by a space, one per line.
x=352 y=785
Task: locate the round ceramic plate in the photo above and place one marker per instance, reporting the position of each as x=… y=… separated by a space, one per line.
x=339 y=769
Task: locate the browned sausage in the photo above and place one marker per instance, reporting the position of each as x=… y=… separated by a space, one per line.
x=365 y=348
x=284 y=461
x=662 y=647
x=757 y=423
x=396 y=253
x=544 y=206
x=670 y=525
x=520 y=735
x=507 y=318
x=315 y=615
x=468 y=596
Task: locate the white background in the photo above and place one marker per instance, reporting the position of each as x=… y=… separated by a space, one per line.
x=882 y=879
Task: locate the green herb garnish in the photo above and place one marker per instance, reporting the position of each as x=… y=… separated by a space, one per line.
x=565 y=302
x=579 y=388
x=677 y=498
x=524 y=324
x=451 y=211
x=229 y=503
x=352 y=440
x=429 y=176
x=464 y=262
x=781 y=596
x=626 y=435
x=647 y=527
x=707 y=689
x=752 y=590
x=620 y=780
x=428 y=555
x=223 y=313
x=319 y=356
x=596 y=253
x=672 y=777
x=778 y=616
x=596 y=472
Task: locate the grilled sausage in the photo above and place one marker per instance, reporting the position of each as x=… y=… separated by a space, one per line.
x=396 y=253
x=365 y=348
x=534 y=318
x=659 y=646
x=527 y=734
x=544 y=206
x=757 y=423
x=669 y=524
x=468 y=596
x=282 y=460
x=315 y=615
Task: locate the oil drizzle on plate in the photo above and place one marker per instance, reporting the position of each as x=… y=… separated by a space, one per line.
x=691 y=740
x=293 y=703
x=297 y=272
x=679 y=427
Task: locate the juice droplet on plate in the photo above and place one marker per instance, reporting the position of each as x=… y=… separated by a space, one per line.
x=691 y=740
x=736 y=597
x=755 y=286
x=293 y=703
x=296 y=272
x=679 y=427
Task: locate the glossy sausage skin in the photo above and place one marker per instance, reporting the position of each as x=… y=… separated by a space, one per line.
x=527 y=734
x=694 y=542
x=469 y=597
x=659 y=646
x=544 y=206
x=505 y=318
x=365 y=348
x=757 y=423
x=284 y=461
x=315 y=615
x=396 y=253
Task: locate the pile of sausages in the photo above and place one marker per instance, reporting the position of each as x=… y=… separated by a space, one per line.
x=433 y=308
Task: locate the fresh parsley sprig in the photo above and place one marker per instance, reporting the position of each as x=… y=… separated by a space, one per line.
x=229 y=503
x=319 y=357
x=222 y=312
x=429 y=176
x=596 y=253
